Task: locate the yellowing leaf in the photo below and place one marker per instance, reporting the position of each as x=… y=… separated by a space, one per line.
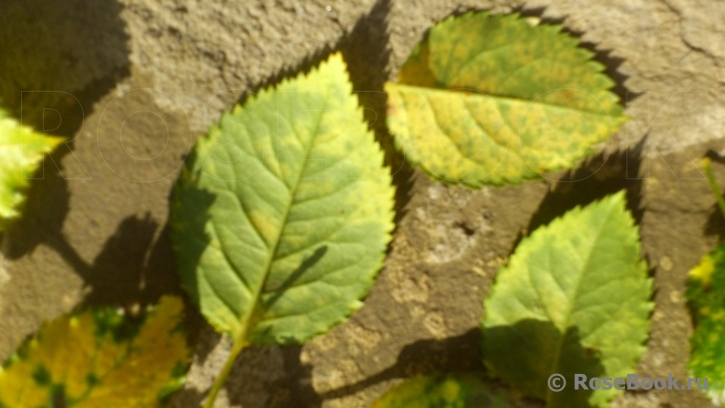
x=282 y=216
x=706 y=299
x=573 y=299
x=493 y=99
x=21 y=151
x=98 y=359
x=444 y=391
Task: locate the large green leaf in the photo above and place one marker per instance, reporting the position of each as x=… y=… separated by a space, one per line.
x=444 y=391
x=494 y=99
x=281 y=218
x=21 y=152
x=706 y=298
x=100 y=358
x=573 y=299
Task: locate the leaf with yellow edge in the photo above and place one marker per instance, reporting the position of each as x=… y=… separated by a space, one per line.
x=444 y=391
x=21 y=152
x=282 y=215
x=495 y=99
x=100 y=358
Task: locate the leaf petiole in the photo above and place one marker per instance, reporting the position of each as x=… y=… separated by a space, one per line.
x=713 y=184
x=239 y=345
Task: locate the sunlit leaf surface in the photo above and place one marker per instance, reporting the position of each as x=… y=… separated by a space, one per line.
x=495 y=99
x=282 y=216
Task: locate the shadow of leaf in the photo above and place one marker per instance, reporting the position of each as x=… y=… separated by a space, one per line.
x=715 y=225
x=523 y=354
x=59 y=59
x=597 y=177
x=306 y=264
x=424 y=357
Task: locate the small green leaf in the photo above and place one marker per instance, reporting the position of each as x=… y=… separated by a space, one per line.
x=494 y=99
x=443 y=391
x=21 y=152
x=573 y=299
x=282 y=215
x=93 y=360
x=706 y=299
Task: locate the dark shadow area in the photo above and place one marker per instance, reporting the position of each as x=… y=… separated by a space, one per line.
x=136 y=265
x=59 y=59
x=424 y=357
x=597 y=177
x=285 y=385
x=57 y=55
x=293 y=389
x=116 y=276
x=524 y=354
x=305 y=265
x=44 y=212
x=523 y=351
x=130 y=269
x=188 y=221
x=167 y=270
x=715 y=225
x=299 y=379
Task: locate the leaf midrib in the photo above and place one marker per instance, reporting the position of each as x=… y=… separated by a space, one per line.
x=468 y=92
x=241 y=337
x=575 y=293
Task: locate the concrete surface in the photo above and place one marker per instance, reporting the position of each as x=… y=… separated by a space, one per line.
x=143 y=78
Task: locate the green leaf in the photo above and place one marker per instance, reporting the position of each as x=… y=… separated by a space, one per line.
x=282 y=217
x=494 y=99
x=99 y=358
x=706 y=299
x=21 y=152
x=443 y=391
x=573 y=299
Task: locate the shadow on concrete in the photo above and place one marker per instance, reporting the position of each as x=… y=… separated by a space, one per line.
x=59 y=58
x=424 y=357
x=599 y=176
x=518 y=352
x=715 y=225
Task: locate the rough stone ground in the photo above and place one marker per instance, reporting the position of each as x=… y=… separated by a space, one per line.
x=143 y=78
